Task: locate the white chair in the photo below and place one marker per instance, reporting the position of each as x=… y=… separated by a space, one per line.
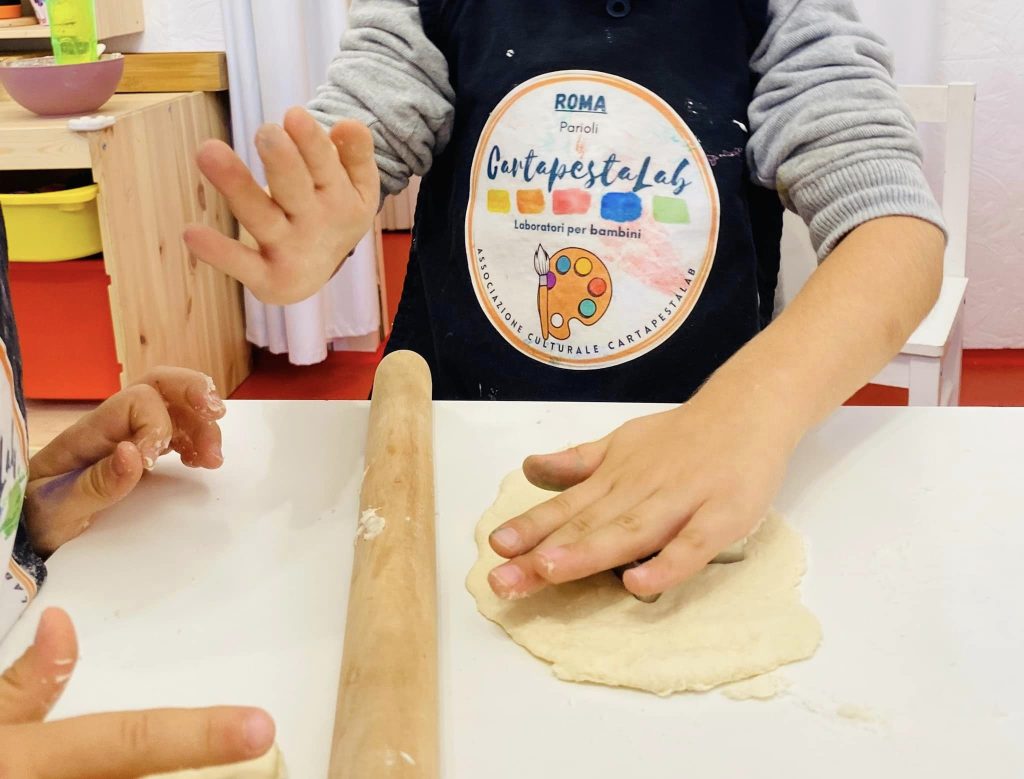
x=929 y=364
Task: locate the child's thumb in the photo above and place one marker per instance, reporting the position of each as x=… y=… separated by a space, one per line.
x=61 y=506
x=563 y=470
x=30 y=687
x=108 y=481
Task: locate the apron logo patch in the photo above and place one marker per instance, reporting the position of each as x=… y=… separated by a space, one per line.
x=610 y=178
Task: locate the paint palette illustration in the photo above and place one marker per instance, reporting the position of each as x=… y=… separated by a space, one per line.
x=574 y=284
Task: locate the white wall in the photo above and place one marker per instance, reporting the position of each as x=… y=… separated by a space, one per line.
x=912 y=28
x=983 y=41
x=178 y=25
x=980 y=41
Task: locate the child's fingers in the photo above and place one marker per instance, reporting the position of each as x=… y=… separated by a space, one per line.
x=696 y=545
x=320 y=155
x=194 y=407
x=520 y=577
x=198 y=441
x=354 y=143
x=136 y=414
x=140 y=743
x=229 y=256
x=597 y=515
x=521 y=534
x=207 y=443
x=142 y=411
x=290 y=182
x=187 y=390
x=247 y=200
x=515 y=579
x=628 y=536
x=30 y=687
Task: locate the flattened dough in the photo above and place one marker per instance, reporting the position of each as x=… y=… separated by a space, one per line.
x=270 y=766
x=729 y=622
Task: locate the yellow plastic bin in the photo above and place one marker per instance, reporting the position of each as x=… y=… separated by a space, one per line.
x=52 y=226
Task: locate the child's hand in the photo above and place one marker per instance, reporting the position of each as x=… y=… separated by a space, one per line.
x=686 y=483
x=117 y=746
x=324 y=194
x=99 y=460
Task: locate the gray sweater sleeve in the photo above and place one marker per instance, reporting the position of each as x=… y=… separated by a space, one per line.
x=828 y=128
x=389 y=76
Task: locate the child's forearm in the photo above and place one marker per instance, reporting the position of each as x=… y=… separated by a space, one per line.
x=853 y=316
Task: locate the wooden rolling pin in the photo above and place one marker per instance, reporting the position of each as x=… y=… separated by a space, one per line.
x=386 y=723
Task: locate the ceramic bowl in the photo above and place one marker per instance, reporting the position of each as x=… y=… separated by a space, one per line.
x=48 y=89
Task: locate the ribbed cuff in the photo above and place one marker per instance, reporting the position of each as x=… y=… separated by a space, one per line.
x=836 y=203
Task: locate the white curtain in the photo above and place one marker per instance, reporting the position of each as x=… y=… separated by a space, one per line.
x=277 y=55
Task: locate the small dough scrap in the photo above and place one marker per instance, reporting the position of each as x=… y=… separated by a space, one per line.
x=727 y=623
x=270 y=766
x=760 y=688
x=856 y=713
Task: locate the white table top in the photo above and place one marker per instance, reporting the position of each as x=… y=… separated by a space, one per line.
x=231 y=587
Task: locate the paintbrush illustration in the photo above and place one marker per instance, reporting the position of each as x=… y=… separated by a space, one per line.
x=542 y=264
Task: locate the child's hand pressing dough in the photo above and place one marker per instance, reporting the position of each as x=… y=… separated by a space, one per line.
x=680 y=488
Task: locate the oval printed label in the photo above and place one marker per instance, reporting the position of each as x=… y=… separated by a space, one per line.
x=593 y=220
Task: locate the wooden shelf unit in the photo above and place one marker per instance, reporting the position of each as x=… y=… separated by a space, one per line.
x=113 y=18
x=167 y=308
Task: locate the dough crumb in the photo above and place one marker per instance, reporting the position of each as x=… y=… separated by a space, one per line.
x=407 y=758
x=856 y=713
x=760 y=688
x=371 y=525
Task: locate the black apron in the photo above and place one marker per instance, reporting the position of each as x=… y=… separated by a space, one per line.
x=569 y=155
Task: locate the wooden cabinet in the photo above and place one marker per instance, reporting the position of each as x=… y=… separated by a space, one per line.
x=167 y=308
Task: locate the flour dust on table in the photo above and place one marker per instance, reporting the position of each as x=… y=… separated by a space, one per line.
x=270 y=766
x=729 y=622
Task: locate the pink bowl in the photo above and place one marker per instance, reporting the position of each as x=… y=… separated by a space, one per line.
x=47 y=89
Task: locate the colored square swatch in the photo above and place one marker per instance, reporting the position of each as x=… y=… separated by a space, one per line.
x=570 y=201
x=498 y=201
x=671 y=210
x=621 y=207
x=530 y=201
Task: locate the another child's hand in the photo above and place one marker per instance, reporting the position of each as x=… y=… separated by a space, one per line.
x=324 y=195
x=99 y=460
x=685 y=484
x=118 y=746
